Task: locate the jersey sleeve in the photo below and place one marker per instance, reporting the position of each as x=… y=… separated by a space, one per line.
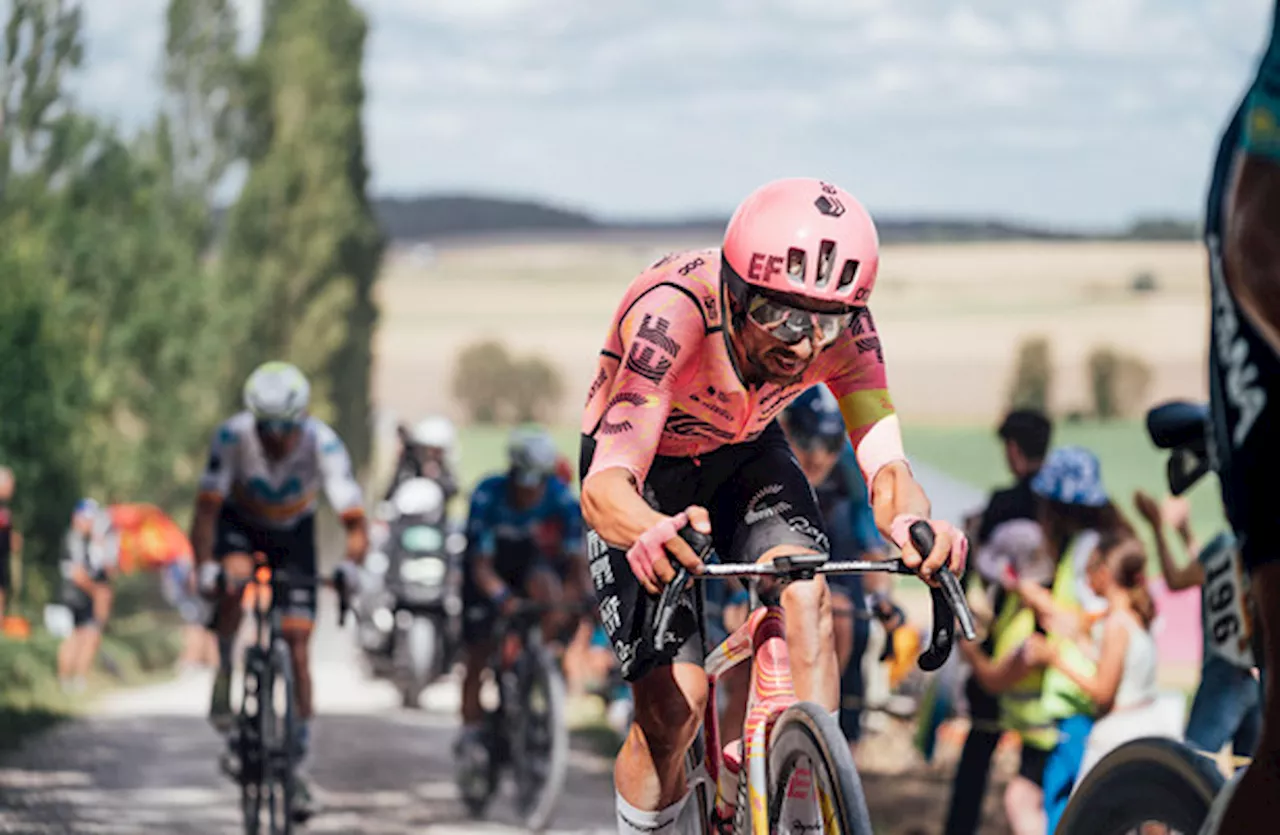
x=861 y=387
x=660 y=335
x=481 y=540
x=219 y=468
x=340 y=485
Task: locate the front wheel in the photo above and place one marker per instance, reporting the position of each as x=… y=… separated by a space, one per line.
x=1146 y=785
x=417 y=646
x=813 y=783
x=540 y=743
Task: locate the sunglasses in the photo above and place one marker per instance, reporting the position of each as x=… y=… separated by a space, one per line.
x=789 y=325
x=276 y=428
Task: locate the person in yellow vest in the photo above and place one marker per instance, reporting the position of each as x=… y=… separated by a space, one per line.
x=1008 y=675
x=1124 y=686
x=1077 y=518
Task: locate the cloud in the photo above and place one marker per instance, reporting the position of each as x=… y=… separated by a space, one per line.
x=1082 y=111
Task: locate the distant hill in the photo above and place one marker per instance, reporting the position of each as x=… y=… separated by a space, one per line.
x=445 y=217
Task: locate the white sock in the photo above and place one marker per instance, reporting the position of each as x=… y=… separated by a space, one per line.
x=633 y=821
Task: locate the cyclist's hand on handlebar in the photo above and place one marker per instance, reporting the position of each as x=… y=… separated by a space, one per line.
x=650 y=555
x=950 y=547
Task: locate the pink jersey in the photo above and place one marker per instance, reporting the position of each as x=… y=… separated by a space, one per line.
x=667 y=385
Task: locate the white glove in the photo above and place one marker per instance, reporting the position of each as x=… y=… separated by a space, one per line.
x=210 y=572
x=350 y=574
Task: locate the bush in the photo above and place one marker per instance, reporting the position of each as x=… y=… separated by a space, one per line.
x=1119 y=383
x=493 y=386
x=479 y=375
x=1032 y=376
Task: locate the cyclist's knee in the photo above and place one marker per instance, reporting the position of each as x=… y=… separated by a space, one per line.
x=813 y=599
x=670 y=703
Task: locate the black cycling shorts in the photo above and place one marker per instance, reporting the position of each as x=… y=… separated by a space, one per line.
x=292 y=549
x=758 y=499
x=1244 y=386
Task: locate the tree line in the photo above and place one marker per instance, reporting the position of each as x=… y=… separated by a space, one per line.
x=129 y=317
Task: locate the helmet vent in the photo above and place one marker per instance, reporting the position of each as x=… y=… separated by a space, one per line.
x=826 y=263
x=795 y=265
x=848 y=275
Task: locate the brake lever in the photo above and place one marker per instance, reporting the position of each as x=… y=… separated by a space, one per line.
x=701 y=544
x=949 y=604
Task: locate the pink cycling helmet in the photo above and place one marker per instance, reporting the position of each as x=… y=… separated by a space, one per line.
x=804 y=237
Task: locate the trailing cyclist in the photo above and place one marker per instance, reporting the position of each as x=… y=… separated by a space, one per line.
x=816 y=431
x=266 y=468
x=1242 y=232
x=705 y=350
x=524 y=541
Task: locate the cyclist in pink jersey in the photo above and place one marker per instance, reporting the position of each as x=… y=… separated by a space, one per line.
x=705 y=350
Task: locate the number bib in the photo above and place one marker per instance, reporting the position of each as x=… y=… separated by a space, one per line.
x=1224 y=608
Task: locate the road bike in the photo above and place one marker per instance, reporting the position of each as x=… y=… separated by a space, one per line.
x=263 y=737
x=1156 y=786
x=527 y=734
x=795 y=771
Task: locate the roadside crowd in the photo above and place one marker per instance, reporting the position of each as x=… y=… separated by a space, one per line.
x=1066 y=656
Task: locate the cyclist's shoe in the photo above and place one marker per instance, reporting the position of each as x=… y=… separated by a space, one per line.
x=304 y=804
x=220 y=705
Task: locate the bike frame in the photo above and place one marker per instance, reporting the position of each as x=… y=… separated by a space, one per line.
x=761 y=639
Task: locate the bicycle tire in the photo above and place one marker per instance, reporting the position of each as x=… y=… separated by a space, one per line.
x=806 y=731
x=279 y=740
x=1149 y=779
x=539 y=793
x=249 y=745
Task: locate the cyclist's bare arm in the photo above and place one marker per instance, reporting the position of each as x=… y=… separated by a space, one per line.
x=1252 y=249
x=861 y=389
x=357 y=530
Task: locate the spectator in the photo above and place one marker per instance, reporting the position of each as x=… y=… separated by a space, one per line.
x=1077 y=519
x=1228 y=702
x=1123 y=688
x=7 y=538
x=1025 y=434
x=90 y=558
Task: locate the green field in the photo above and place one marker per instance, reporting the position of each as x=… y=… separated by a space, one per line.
x=971 y=454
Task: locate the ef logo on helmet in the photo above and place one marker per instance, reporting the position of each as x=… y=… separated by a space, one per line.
x=764 y=267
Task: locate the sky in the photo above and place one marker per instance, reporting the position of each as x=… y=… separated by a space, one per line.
x=1075 y=113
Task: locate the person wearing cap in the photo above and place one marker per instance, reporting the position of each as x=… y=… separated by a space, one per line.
x=524 y=541
x=91 y=552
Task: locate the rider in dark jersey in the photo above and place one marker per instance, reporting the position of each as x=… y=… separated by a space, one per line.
x=1242 y=232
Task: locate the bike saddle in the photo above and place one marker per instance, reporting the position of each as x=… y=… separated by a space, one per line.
x=1178 y=424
